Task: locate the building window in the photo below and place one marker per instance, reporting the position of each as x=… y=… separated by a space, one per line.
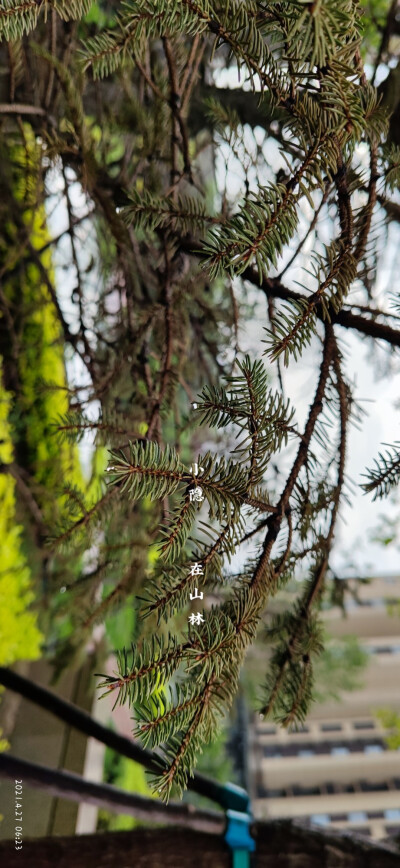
x=271 y=753
x=320 y=819
x=265 y=793
x=357 y=817
x=368 y=787
x=364 y=724
x=331 y=727
x=392 y=814
x=373 y=748
x=381 y=649
x=306 y=791
x=299 y=729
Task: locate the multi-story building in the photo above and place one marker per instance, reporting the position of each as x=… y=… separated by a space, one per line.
x=337 y=770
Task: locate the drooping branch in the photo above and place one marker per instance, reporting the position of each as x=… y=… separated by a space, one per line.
x=274 y=522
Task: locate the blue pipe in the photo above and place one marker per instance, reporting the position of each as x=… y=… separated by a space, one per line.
x=237 y=834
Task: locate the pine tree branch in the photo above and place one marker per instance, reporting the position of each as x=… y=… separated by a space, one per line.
x=239 y=49
x=178 y=123
x=319 y=574
x=200 y=713
x=22 y=109
x=315 y=590
x=310 y=229
x=86 y=518
x=273 y=288
x=343 y=197
x=274 y=522
x=167 y=602
x=369 y=208
x=190 y=74
x=166 y=372
x=81 y=721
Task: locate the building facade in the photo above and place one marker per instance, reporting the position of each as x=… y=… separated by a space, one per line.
x=338 y=770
